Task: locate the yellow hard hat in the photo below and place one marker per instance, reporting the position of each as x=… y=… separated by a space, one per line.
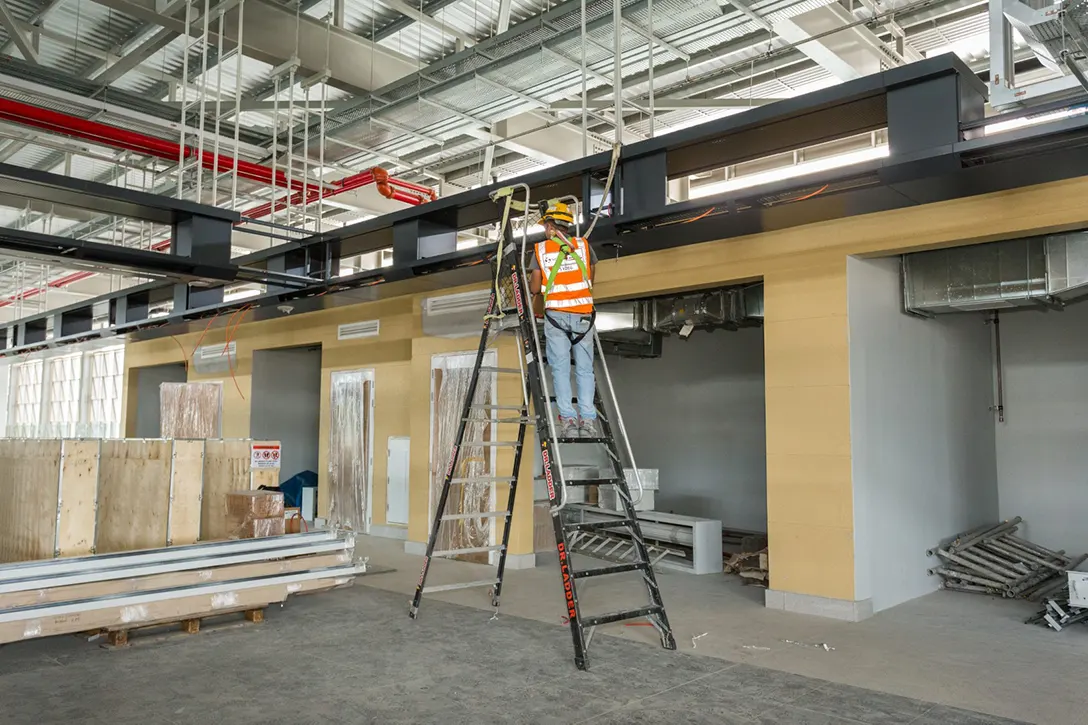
x=559 y=213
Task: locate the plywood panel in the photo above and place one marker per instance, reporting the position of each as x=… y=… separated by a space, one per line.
x=79 y=497
x=185 y=495
x=133 y=494
x=29 y=474
x=226 y=469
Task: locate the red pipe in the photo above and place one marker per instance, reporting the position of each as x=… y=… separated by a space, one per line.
x=303 y=192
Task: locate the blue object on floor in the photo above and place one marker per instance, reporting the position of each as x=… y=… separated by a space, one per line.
x=292 y=488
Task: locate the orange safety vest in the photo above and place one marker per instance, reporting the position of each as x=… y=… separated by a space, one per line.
x=571 y=292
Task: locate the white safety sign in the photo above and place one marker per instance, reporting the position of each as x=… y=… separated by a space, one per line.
x=266 y=455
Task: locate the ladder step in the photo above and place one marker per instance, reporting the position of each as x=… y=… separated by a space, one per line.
x=621 y=616
x=489 y=406
x=482 y=479
x=526 y=421
x=473 y=550
x=480 y=515
x=493 y=369
x=595 y=482
x=597 y=525
x=605 y=570
x=492 y=444
x=582 y=440
x=462 y=585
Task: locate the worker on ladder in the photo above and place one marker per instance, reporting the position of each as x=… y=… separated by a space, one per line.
x=562 y=268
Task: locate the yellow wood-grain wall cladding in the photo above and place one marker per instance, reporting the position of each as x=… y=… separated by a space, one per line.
x=810 y=509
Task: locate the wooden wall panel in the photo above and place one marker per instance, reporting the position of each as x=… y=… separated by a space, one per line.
x=186 y=492
x=79 y=498
x=133 y=494
x=226 y=469
x=29 y=475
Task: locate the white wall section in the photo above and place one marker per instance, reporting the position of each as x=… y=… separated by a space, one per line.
x=922 y=433
x=148 y=402
x=1042 y=447
x=698 y=415
x=286 y=405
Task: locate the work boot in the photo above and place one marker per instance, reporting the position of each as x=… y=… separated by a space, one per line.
x=567 y=428
x=589 y=428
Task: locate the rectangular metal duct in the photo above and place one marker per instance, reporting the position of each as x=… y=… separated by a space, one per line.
x=1015 y=273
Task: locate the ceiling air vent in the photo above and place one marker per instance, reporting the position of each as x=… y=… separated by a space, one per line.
x=453 y=304
x=215 y=358
x=455 y=315
x=357 y=330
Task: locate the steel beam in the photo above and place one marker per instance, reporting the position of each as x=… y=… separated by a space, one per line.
x=657 y=40
x=424 y=19
x=674 y=104
x=16 y=34
x=850 y=53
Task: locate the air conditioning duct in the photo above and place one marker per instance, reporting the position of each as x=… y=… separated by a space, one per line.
x=1016 y=273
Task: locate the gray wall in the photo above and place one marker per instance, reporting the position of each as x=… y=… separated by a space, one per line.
x=1042 y=447
x=698 y=415
x=286 y=405
x=148 y=411
x=922 y=434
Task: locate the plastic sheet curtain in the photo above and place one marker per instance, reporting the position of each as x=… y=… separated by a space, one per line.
x=191 y=410
x=451 y=375
x=349 y=449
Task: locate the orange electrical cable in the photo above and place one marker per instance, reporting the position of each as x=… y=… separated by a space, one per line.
x=201 y=338
x=821 y=190
x=705 y=214
x=184 y=355
x=230 y=337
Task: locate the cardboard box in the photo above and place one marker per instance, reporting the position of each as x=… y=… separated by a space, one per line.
x=243 y=505
x=260 y=528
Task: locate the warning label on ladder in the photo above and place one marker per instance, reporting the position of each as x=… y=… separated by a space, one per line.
x=265 y=455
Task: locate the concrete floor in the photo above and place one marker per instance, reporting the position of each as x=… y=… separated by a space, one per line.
x=353 y=656
x=954 y=649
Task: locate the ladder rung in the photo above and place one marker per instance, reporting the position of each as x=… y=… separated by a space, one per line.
x=489 y=406
x=595 y=482
x=462 y=585
x=482 y=479
x=492 y=444
x=621 y=616
x=605 y=570
x=479 y=515
x=595 y=525
x=473 y=550
x=493 y=369
x=581 y=440
x=526 y=421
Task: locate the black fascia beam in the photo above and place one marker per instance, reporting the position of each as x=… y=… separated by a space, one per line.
x=76 y=193
x=95 y=256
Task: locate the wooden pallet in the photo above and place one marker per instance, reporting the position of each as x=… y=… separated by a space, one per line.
x=117 y=637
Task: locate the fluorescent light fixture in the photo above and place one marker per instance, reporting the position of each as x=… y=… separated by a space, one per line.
x=1015 y=123
x=790 y=172
x=240 y=294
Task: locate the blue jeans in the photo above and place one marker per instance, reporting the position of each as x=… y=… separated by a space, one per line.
x=557 y=343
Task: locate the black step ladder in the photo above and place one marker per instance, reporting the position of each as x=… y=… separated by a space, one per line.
x=509 y=312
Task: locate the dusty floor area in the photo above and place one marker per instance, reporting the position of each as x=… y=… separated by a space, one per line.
x=954 y=649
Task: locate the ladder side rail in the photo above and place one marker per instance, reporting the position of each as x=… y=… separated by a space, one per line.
x=455 y=455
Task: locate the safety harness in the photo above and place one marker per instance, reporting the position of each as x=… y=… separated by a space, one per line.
x=565 y=251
